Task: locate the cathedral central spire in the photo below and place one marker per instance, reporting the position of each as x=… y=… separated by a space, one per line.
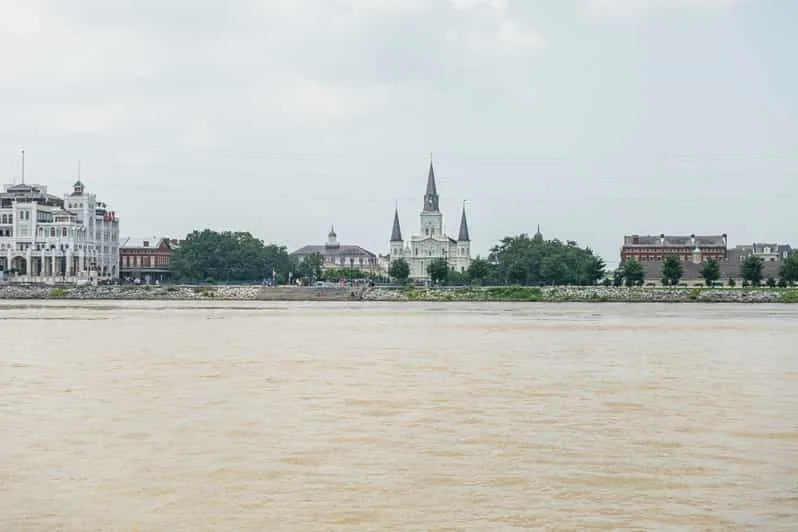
x=431 y=196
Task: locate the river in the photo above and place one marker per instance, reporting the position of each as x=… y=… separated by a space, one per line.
x=301 y=416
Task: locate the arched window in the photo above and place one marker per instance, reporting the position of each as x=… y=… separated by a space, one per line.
x=52 y=231
x=64 y=231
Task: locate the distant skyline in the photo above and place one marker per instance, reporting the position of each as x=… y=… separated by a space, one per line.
x=592 y=118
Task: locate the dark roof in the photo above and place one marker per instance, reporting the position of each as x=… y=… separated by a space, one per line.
x=431 y=188
x=463 y=236
x=675 y=240
x=337 y=251
x=396 y=233
x=22 y=187
x=431 y=197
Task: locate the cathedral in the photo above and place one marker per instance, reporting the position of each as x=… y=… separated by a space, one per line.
x=432 y=242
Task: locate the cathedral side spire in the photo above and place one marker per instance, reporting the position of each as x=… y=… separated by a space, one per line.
x=463 y=236
x=396 y=233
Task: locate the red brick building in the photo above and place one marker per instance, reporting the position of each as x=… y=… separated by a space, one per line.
x=145 y=260
x=649 y=248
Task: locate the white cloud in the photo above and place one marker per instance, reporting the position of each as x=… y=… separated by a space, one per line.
x=18 y=18
x=79 y=119
x=498 y=6
x=300 y=99
x=631 y=7
x=513 y=38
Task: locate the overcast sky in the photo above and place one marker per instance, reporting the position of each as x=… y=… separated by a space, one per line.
x=593 y=118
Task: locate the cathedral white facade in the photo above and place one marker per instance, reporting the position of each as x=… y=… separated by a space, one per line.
x=432 y=242
x=44 y=238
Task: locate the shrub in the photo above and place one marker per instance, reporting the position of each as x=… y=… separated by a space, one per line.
x=514 y=293
x=782 y=283
x=732 y=282
x=58 y=292
x=771 y=282
x=789 y=296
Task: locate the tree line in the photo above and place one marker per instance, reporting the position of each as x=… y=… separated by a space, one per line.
x=631 y=272
x=210 y=256
x=518 y=260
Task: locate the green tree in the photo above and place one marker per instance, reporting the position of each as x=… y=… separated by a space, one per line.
x=344 y=273
x=672 y=270
x=752 y=270
x=399 y=270
x=789 y=269
x=771 y=282
x=633 y=273
x=227 y=256
x=595 y=267
x=438 y=271
x=478 y=270
x=310 y=267
x=456 y=277
x=710 y=271
x=524 y=260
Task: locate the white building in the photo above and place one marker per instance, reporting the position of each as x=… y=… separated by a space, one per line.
x=338 y=256
x=767 y=252
x=44 y=238
x=432 y=242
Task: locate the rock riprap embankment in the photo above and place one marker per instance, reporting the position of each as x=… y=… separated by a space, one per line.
x=499 y=293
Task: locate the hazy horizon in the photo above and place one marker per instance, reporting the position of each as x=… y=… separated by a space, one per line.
x=592 y=118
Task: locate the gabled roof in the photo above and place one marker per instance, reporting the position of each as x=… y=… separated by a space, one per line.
x=138 y=243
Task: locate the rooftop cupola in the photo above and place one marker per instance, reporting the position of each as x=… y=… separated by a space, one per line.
x=332 y=238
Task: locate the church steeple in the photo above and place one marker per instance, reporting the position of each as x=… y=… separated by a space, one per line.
x=431 y=196
x=396 y=233
x=463 y=236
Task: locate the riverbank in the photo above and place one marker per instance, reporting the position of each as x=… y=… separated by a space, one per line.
x=590 y=294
